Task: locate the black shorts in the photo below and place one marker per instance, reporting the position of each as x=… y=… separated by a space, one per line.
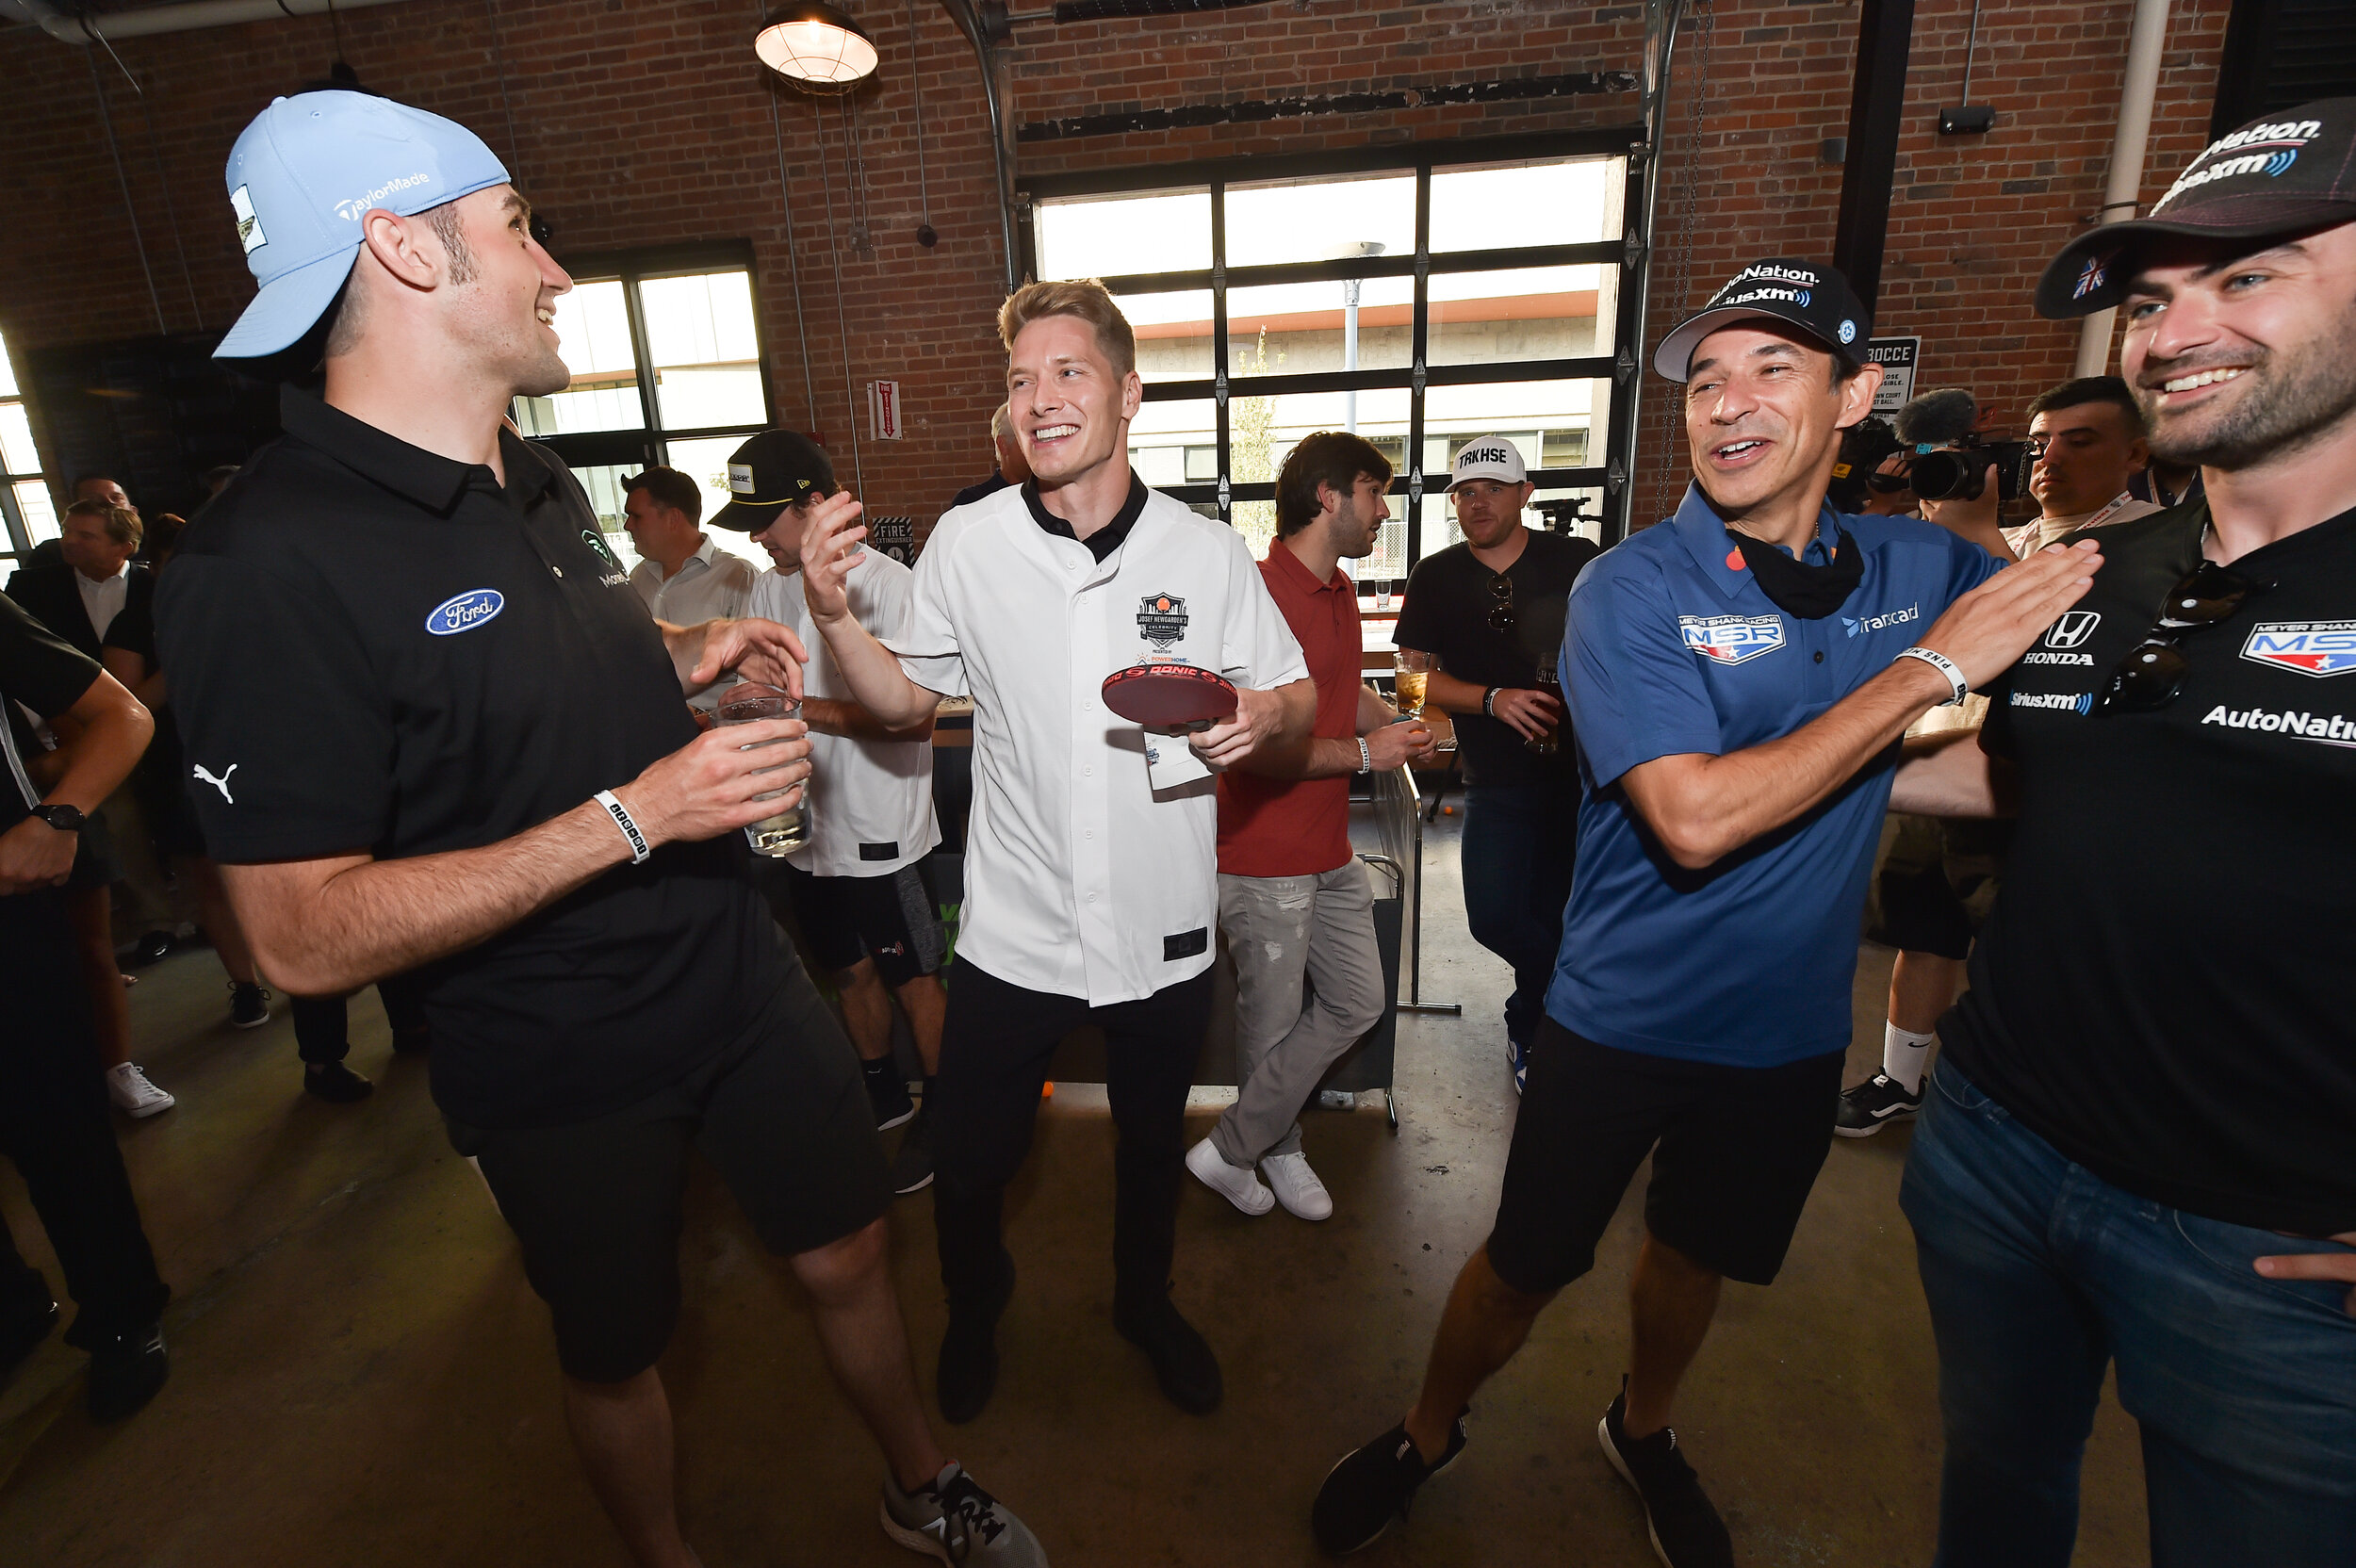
x=1734 y=1151
x=893 y=918
x=596 y=1204
x=1934 y=884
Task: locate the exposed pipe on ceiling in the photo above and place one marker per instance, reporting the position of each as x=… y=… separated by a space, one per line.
x=66 y=27
x=2145 y=38
x=969 y=20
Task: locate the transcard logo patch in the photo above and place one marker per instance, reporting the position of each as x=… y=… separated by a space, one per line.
x=2310 y=648
x=1731 y=639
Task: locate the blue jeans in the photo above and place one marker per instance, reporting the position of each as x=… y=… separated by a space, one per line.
x=1516 y=862
x=2039 y=1274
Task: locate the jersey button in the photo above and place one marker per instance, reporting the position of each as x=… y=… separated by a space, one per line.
x=1088 y=773
x=558 y=570
x=1820 y=656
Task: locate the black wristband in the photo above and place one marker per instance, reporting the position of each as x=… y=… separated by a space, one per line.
x=1489 y=701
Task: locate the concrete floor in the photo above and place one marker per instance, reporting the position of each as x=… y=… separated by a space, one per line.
x=361 y=1375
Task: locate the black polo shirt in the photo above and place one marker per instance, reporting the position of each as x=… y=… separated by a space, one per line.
x=1445 y=613
x=376 y=649
x=2162 y=991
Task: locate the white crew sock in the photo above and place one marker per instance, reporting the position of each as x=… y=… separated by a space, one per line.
x=1902 y=1054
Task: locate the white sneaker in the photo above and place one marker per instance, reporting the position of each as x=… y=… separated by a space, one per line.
x=133 y=1094
x=1296 y=1186
x=1239 y=1187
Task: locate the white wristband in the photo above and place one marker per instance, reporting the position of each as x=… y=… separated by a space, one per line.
x=1945 y=666
x=638 y=850
x=1365 y=756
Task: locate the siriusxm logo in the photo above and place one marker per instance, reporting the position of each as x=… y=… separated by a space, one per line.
x=1883 y=622
x=1796 y=296
x=1731 y=639
x=2269 y=150
x=2081 y=704
x=2310 y=648
x=465 y=612
x=350 y=207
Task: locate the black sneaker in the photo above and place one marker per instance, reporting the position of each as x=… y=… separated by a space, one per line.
x=126 y=1372
x=888 y=1094
x=249 y=1005
x=1374 y=1486
x=1686 y=1529
x=1874 y=1105
x=912 y=1163
x=967 y=1373
x=153 y=947
x=337 y=1083
x=1183 y=1362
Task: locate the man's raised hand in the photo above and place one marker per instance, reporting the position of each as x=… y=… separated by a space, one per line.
x=756 y=650
x=827 y=556
x=1987 y=629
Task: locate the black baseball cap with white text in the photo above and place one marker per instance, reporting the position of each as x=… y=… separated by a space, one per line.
x=767 y=474
x=1812 y=297
x=2279 y=175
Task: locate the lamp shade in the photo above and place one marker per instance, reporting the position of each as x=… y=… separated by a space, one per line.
x=816 y=46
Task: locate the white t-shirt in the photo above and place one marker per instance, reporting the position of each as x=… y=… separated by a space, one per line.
x=871 y=802
x=1081 y=879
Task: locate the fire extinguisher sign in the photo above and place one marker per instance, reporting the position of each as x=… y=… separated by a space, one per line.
x=883 y=410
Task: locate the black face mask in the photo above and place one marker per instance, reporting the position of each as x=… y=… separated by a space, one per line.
x=1811 y=592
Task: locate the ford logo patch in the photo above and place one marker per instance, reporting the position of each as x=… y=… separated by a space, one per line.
x=465 y=612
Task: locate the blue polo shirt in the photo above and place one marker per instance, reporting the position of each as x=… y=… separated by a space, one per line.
x=1672 y=647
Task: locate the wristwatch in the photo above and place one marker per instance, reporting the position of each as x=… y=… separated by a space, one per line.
x=65 y=819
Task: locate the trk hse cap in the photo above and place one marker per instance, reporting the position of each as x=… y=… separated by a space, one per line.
x=2295 y=169
x=1488 y=457
x=302 y=175
x=767 y=474
x=1813 y=297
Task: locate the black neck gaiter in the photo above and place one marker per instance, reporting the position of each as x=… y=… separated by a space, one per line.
x=1811 y=592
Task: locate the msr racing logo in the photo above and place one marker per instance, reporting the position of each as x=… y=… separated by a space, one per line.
x=1731 y=639
x=2332 y=729
x=1161 y=620
x=2081 y=703
x=2310 y=648
x=1884 y=621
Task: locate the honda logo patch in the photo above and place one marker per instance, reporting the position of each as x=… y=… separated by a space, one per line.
x=2072 y=628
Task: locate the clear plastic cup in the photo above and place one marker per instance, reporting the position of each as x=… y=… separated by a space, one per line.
x=748 y=702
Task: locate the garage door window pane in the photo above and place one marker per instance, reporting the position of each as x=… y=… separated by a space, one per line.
x=706 y=352
x=1559 y=202
x=1321 y=219
x=1107 y=236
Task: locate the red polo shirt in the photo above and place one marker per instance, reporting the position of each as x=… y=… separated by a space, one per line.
x=1272 y=828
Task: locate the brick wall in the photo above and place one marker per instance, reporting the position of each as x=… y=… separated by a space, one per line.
x=647 y=122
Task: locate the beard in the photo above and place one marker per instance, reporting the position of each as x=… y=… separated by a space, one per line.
x=2295 y=399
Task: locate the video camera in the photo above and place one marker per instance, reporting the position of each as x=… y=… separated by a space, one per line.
x=1961 y=473
x=1864 y=447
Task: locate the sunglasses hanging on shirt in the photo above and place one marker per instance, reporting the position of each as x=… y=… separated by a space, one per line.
x=1501 y=613
x=2153 y=674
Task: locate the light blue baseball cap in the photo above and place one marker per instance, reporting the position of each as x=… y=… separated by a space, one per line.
x=301 y=178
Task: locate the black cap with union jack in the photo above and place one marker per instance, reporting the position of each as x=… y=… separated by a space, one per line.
x=2286 y=171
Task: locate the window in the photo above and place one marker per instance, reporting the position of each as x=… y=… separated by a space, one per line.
x=665 y=354
x=1419 y=297
x=25 y=505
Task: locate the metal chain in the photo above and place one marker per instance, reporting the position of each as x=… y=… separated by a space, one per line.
x=1705 y=20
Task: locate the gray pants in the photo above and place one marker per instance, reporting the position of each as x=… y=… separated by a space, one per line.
x=1278 y=929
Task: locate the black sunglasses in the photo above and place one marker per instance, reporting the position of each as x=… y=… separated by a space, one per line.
x=2152 y=673
x=1501 y=614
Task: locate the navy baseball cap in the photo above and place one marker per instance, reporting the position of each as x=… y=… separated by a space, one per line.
x=1814 y=297
x=2278 y=174
x=303 y=175
x=767 y=474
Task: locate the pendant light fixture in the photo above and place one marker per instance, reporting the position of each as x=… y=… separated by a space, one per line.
x=816 y=47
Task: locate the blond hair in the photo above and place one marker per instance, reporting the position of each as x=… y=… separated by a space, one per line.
x=1083 y=297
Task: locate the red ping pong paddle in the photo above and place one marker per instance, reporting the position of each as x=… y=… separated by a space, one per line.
x=1170 y=696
